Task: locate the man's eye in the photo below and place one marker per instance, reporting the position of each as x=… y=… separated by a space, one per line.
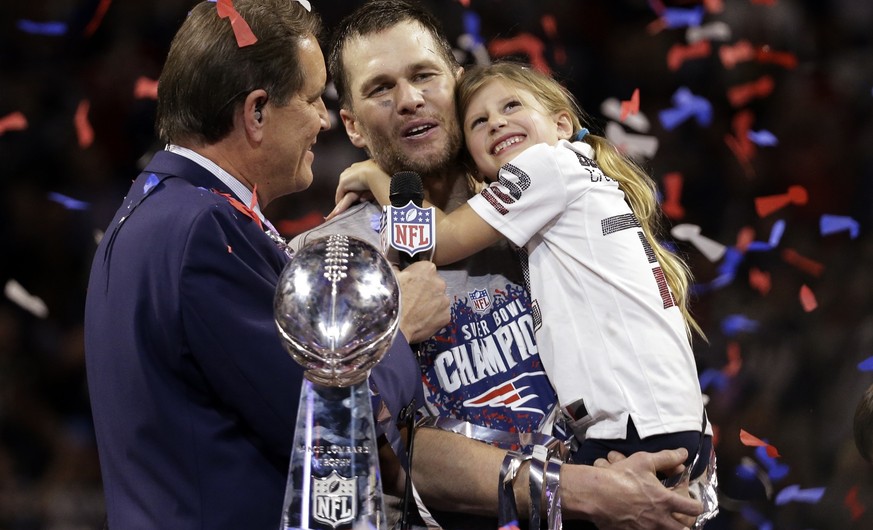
x=377 y=91
x=423 y=76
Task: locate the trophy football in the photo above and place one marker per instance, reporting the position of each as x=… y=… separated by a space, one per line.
x=337 y=309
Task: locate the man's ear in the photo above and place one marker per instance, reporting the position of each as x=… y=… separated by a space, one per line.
x=564 y=124
x=255 y=113
x=351 y=125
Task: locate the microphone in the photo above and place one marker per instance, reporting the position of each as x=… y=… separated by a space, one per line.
x=410 y=228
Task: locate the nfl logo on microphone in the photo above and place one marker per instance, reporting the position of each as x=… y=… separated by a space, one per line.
x=410 y=228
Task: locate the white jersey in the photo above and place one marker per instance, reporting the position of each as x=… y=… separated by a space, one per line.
x=610 y=334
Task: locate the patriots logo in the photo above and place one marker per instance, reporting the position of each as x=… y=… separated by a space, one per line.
x=480 y=299
x=510 y=394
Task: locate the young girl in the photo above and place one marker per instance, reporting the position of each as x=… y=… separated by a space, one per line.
x=614 y=332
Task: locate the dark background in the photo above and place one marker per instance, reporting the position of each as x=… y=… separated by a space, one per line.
x=798 y=381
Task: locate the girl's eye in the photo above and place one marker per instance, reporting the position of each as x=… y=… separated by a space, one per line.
x=476 y=122
x=513 y=104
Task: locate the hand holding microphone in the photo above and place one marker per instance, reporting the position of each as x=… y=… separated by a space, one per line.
x=407 y=227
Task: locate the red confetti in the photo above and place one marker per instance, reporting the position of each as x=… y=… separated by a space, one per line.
x=740 y=52
x=14 y=121
x=759 y=280
x=770 y=203
x=229 y=250
x=739 y=143
x=679 y=53
x=550 y=26
x=713 y=6
x=145 y=88
x=739 y=95
x=752 y=441
x=525 y=43
x=99 y=13
x=807 y=299
x=631 y=106
x=807 y=265
x=241 y=29
x=671 y=206
x=851 y=502
x=83 y=128
x=245 y=210
x=784 y=59
x=744 y=237
x=465 y=3
x=735 y=360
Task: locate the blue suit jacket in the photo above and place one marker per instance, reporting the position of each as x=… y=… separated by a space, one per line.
x=193 y=396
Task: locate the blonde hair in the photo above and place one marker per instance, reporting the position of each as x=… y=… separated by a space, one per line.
x=639 y=189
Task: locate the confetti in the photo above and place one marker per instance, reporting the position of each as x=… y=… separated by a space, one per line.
x=733 y=325
x=759 y=280
x=732 y=259
x=473 y=27
x=16 y=293
x=713 y=377
x=866 y=365
x=611 y=108
x=745 y=236
x=150 y=183
x=770 y=203
x=675 y=17
x=793 y=493
x=672 y=184
x=524 y=43
x=739 y=52
x=851 y=502
x=784 y=59
x=714 y=31
x=775 y=470
x=631 y=106
x=633 y=145
x=739 y=95
x=241 y=30
x=14 y=121
x=763 y=138
x=68 y=202
x=51 y=29
x=145 y=88
x=735 y=360
x=755 y=518
x=84 y=132
x=686 y=105
x=713 y=6
x=807 y=299
x=678 y=53
x=99 y=13
x=776 y=233
x=713 y=250
x=307 y=6
x=811 y=267
x=831 y=224
x=753 y=441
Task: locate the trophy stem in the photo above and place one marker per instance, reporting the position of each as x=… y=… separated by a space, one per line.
x=333 y=478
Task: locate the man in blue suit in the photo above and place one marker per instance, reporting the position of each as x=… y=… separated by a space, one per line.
x=193 y=396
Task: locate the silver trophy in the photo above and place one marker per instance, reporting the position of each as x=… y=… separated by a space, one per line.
x=337 y=308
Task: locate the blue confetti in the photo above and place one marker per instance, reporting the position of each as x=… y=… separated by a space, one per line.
x=764 y=138
x=686 y=105
x=775 y=470
x=713 y=377
x=831 y=224
x=866 y=365
x=731 y=261
x=758 y=246
x=68 y=202
x=795 y=494
x=151 y=182
x=776 y=233
x=733 y=325
x=472 y=26
x=680 y=18
x=52 y=29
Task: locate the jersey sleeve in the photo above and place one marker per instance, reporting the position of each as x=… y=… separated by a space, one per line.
x=529 y=192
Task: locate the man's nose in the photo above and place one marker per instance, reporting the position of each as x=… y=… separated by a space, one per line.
x=409 y=97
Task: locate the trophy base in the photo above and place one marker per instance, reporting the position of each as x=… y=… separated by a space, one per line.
x=333 y=478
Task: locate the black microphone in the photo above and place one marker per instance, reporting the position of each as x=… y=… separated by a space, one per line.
x=406 y=186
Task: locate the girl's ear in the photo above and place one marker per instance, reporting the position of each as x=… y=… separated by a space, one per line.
x=564 y=125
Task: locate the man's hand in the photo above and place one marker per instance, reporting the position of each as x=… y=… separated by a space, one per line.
x=424 y=305
x=627 y=495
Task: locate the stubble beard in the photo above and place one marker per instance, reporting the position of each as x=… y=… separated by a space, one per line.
x=392 y=159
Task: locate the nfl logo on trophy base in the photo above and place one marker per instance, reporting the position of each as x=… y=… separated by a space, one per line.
x=333 y=499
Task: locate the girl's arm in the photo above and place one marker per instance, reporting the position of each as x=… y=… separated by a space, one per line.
x=459 y=234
